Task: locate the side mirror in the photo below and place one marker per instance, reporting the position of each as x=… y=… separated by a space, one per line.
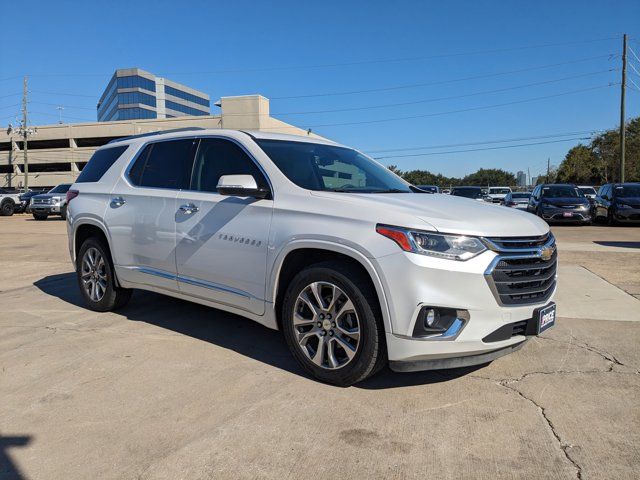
x=240 y=186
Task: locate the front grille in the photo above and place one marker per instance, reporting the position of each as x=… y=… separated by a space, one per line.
x=519 y=275
x=41 y=201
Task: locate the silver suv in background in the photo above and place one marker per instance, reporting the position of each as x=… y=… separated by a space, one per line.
x=354 y=265
x=54 y=202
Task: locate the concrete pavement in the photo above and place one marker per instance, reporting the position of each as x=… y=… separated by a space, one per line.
x=166 y=389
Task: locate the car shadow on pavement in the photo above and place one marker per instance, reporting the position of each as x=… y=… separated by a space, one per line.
x=228 y=331
x=618 y=244
x=8 y=469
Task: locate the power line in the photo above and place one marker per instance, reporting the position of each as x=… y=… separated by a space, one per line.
x=483 y=107
x=428 y=100
x=346 y=64
x=65 y=106
x=633 y=53
x=10 y=106
x=504 y=140
x=444 y=82
x=64 y=94
x=481 y=149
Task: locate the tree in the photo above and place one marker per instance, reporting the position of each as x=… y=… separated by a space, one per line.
x=581 y=165
x=490 y=176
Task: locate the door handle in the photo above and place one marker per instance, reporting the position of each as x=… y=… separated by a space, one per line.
x=188 y=208
x=117 y=202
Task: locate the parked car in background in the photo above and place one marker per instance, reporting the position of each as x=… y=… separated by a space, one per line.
x=9 y=202
x=25 y=200
x=354 y=269
x=470 y=192
x=519 y=200
x=446 y=191
x=54 y=202
x=497 y=194
x=618 y=202
x=560 y=203
x=429 y=188
x=588 y=191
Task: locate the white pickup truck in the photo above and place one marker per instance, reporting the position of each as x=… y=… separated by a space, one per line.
x=9 y=202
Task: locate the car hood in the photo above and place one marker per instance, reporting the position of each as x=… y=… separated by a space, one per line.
x=445 y=213
x=565 y=201
x=49 y=195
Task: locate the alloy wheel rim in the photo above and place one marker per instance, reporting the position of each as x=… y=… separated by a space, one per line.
x=94 y=274
x=326 y=325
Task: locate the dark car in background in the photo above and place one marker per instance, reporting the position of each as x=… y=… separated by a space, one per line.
x=475 y=193
x=429 y=188
x=618 y=202
x=560 y=203
x=25 y=200
x=519 y=200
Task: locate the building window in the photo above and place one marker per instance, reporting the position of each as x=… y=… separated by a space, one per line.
x=186 y=96
x=136 y=81
x=178 y=107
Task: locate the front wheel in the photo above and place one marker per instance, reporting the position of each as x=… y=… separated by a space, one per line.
x=40 y=216
x=63 y=213
x=96 y=278
x=7 y=208
x=332 y=324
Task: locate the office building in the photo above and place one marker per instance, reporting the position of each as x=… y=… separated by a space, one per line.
x=134 y=94
x=521 y=179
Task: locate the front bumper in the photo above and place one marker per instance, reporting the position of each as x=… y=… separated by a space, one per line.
x=412 y=281
x=566 y=215
x=46 y=209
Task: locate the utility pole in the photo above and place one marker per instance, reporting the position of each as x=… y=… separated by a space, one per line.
x=548 y=168
x=25 y=147
x=622 y=116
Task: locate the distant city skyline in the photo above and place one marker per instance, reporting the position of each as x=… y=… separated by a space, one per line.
x=510 y=86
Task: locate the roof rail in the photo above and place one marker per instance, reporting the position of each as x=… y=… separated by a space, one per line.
x=159 y=132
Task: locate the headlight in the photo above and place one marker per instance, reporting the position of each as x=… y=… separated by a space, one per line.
x=585 y=207
x=56 y=199
x=451 y=247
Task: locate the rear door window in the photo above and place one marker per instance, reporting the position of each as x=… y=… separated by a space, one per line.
x=164 y=164
x=99 y=163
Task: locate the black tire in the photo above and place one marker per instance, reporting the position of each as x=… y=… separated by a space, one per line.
x=610 y=220
x=63 y=213
x=7 y=208
x=370 y=353
x=114 y=297
x=40 y=216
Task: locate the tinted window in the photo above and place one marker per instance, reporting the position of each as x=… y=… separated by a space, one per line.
x=561 y=192
x=588 y=190
x=62 y=188
x=467 y=192
x=499 y=190
x=164 y=165
x=520 y=195
x=99 y=163
x=627 y=191
x=217 y=157
x=330 y=168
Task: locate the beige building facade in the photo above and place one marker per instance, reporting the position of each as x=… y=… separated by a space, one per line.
x=57 y=153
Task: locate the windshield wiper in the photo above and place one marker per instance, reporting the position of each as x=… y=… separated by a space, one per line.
x=391 y=190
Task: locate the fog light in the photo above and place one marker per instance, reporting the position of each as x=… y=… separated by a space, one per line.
x=430 y=317
x=439 y=321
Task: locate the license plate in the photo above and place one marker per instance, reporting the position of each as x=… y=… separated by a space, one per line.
x=567 y=214
x=546 y=317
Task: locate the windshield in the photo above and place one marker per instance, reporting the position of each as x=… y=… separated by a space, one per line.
x=627 y=191
x=329 y=168
x=61 y=188
x=588 y=190
x=520 y=195
x=499 y=190
x=467 y=192
x=561 y=192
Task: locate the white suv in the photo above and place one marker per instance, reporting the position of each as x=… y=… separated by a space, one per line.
x=355 y=266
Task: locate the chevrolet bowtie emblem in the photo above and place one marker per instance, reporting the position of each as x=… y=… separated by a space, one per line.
x=547 y=252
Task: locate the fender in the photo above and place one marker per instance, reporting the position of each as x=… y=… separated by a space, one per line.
x=347 y=248
x=87 y=220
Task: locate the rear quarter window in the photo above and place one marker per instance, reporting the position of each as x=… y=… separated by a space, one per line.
x=99 y=163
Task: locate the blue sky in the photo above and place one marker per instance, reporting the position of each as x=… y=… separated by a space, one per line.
x=287 y=49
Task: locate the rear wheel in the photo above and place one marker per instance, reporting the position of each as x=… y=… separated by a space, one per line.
x=610 y=219
x=332 y=324
x=96 y=279
x=7 y=208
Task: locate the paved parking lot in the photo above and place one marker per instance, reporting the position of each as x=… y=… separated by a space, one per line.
x=167 y=389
